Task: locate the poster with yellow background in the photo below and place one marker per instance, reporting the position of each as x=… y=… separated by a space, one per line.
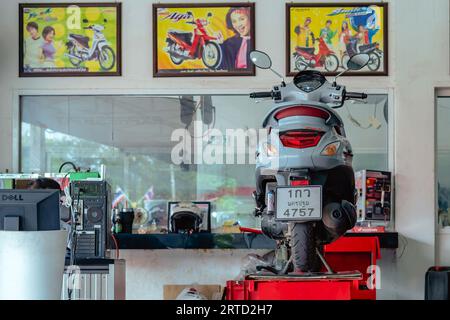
x=323 y=37
x=203 y=39
x=61 y=39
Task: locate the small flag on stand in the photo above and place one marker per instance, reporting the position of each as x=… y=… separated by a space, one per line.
x=149 y=195
x=119 y=196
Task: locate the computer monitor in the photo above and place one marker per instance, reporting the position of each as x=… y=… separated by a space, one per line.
x=29 y=210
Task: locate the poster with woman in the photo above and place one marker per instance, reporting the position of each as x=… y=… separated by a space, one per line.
x=203 y=39
x=323 y=36
x=82 y=39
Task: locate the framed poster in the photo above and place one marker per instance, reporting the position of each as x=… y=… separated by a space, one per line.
x=64 y=39
x=203 y=39
x=323 y=36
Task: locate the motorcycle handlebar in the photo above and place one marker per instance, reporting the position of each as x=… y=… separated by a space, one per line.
x=255 y=95
x=355 y=95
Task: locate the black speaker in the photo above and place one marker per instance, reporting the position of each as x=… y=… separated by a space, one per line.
x=94 y=202
x=187 y=109
x=207 y=110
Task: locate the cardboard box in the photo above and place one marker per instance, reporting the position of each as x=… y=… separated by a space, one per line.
x=211 y=292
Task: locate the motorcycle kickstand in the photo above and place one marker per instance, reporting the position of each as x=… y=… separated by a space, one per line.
x=329 y=270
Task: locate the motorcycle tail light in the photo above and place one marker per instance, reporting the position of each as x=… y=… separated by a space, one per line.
x=302 y=111
x=301 y=139
x=299 y=182
x=331 y=149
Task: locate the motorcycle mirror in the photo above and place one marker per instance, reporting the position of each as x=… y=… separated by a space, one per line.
x=105 y=21
x=85 y=20
x=261 y=59
x=358 y=61
x=189 y=13
x=209 y=14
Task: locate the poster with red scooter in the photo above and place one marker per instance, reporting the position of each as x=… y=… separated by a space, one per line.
x=203 y=39
x=324 y=36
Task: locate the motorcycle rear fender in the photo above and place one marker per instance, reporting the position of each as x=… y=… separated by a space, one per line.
x=265 y=183
x=338 y=183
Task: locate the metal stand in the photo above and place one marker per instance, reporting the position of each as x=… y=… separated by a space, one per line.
x=348 y=275
x=324 y=262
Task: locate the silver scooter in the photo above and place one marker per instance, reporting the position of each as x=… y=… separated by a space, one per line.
x=305 y=188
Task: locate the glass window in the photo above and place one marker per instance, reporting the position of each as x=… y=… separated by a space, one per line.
x=443 y=160
x=135 y=137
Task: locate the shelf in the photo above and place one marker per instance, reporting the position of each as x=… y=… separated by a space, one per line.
x=388 y=240
x=194 y=241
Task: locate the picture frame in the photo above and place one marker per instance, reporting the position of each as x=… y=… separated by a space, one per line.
x=180 y=29
x=70 y=39
x=343 y=30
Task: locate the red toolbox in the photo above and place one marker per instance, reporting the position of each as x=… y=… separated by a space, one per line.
x=345 y=254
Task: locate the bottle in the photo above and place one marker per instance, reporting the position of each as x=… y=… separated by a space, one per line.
x=117 y=222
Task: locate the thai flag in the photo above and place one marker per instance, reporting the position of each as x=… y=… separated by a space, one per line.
x=149 y=194
x=119 y=196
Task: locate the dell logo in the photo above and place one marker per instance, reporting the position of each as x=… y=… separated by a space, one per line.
x=12 y=197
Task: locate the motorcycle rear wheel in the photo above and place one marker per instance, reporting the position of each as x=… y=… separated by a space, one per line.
x=300 y=64
x=107 y=54
x=374 y=62
x=303 y=247
x=211 y=55
x=176 y=60
x=344 y=60
x=331 y=63
x=74 y=61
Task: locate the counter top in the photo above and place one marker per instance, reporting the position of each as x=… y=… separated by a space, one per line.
x=388 y=240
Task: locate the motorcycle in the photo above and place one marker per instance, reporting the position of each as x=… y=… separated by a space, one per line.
x=183 y=46
x=79 y=50
x=305 y=188
x=372 y=49
x=306 y=57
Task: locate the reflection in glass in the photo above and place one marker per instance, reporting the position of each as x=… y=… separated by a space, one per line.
x=132 y=136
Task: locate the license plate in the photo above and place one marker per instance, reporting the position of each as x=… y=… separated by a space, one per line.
x=299 y=203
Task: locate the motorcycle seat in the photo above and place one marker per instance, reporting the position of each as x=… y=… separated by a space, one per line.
x=367 y=47
x=183 y=36
x=308 y=50
x=83 y=40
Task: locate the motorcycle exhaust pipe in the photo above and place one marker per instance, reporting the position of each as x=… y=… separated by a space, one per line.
x=337 y=218
x=174 y=53
x=72 y=56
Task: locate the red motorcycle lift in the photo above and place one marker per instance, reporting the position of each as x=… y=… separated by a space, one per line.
x=347 y=253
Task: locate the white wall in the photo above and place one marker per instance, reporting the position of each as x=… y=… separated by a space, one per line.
x=419 y=55
x=148 y=271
